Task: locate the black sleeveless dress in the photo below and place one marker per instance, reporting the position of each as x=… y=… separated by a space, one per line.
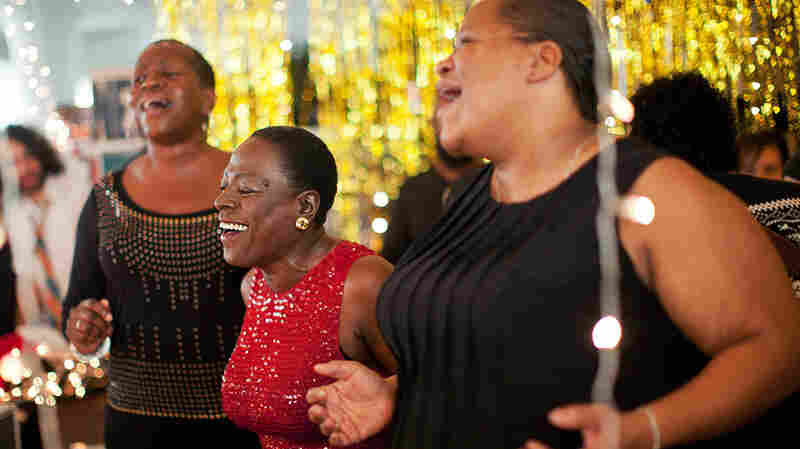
x=490 y=317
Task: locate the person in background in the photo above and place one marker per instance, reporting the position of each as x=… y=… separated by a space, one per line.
x=310 y=297
x=42 y=193
x=423 y=199
x=148 y=280
x=762 y=154
x=491 y=314
x=686 y=116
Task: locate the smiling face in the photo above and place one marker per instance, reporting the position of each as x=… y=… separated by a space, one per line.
x=257 y=207
x=480 y=82
x=170 y=101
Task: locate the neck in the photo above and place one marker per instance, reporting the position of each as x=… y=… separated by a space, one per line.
x=451 y=174
x=542 y=160
x=306 y=253
x=177 y=156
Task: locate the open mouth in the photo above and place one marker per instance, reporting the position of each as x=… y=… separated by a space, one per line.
x=229 y=230
x=155 y=105
x=448 y=94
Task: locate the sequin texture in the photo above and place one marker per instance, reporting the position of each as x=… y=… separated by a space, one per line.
x=283 y=335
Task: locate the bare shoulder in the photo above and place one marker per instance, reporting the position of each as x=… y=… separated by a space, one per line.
x=366 y=277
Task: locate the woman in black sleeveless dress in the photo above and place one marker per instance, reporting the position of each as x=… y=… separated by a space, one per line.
x=490 y=315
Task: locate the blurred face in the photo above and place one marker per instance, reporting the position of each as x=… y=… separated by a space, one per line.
x=29 y=169
x=169 y=100
x=257 y=208
x=769 y=164
x=480 y=81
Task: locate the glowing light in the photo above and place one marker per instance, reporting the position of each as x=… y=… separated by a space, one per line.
x=9 y=10
x=69 y=364
x=11 y=369
x=616 y=20
x=84 y=95
x=621 y=107
x=28 y=25
x=639 y=209
x=16 y=392
x=380 y=225
x=607 y=333
x=32 y=83
x=753 y=40
x=755 y=110
x=756 y=85
x=129 y=2
x=286 y=45
x=10 y=30
x=94 y=363
x=611 y=122
x=380 y=199
x=450 y=33
x=279 y=78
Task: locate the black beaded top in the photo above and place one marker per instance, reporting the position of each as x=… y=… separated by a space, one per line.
x=176 y=304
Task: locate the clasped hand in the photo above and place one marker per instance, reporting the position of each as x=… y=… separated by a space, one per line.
x=89 y=323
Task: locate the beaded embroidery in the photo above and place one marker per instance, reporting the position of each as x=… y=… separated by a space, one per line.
x=176 y=325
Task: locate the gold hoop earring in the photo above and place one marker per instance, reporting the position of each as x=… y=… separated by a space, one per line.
x=302 y=223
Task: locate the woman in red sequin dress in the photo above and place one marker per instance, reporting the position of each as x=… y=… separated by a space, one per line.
x=310 y=298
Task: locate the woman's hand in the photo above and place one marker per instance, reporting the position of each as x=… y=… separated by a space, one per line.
x=358 y=405
x=89 y=323
x=599 y=424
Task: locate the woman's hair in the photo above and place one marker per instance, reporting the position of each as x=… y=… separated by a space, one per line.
x=201 y=67
x=750 y=146
x=689 y=118
x=571 y=26
x=37 y=146
x=307 y=163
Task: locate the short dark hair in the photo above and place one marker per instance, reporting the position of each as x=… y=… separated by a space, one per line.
x=750 y=146
x=307 y=163
x=37 y=146
x=570 y=25
x=686 y=116
x=201 y=67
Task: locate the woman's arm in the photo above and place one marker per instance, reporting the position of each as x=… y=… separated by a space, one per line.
x=87 y=286
x=359 y=335
x=722 y=283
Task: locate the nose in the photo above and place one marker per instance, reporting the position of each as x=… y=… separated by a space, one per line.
x=223 y=201
x=444 y=66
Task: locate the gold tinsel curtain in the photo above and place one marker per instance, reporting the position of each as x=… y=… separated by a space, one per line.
x=246 y=43
x=370 y=73
x=746 y=48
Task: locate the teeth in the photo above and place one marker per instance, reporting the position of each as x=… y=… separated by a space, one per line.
x=232 y=227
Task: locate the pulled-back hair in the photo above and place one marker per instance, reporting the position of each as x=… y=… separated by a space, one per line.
x=571 y=26
x=307 y=163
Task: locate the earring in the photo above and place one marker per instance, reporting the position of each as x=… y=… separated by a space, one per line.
x=302 y=223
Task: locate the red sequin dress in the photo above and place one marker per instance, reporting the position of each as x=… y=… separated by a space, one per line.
x=283 y=336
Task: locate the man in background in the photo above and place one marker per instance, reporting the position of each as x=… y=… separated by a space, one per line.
x=422 y=199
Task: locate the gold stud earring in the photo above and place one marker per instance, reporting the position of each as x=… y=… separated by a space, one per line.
x=302 y=223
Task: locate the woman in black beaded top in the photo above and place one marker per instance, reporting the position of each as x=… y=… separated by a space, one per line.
x=148 y=277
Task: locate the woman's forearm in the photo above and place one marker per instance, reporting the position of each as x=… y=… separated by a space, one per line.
x=738 y=384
